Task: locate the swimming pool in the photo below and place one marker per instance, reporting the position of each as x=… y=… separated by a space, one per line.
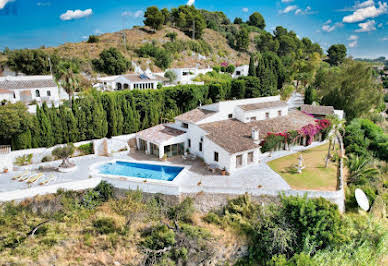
x=140 y=170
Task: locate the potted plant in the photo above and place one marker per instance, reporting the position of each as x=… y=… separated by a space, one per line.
x=223 y=171
x=64 y=153
x=164 y=158
x=5 y=170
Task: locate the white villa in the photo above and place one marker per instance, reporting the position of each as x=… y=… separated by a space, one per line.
x=29 y=89
x=187 y=74
x=226 y=134
x=241 y=71
x=145 y=81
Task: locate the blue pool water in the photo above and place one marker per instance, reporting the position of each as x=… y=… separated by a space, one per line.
x=149 y=171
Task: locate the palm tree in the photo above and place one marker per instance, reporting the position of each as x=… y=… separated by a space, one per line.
x=336 y=134
x=67 y=77
x=360 y=170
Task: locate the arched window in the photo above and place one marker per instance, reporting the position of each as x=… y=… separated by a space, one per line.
x=126 y=86
x=118 y=86
x=37 y=93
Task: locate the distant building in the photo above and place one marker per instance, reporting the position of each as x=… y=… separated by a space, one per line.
x=130 y=82
x=241 y=71
x=321 y=111
x=31 y=90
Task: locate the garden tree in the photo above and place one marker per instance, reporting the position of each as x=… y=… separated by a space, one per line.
x=153 y=18
x=14 y=122
x=252 y=86
x=45 y=131
x=238 y=89
x=166 y=15
x=67 y=77
x=189 y=20
x=230 y=69
x=287 y=45
x=252 y=67
x=271 y=72
x=242 y=39
x=265 y=42
x=360 y=170
x=56 y=125
x=28 y=61
x=170 y=75
x=110 y=107
x=215 y=20
x=238 y=20
x=351 y=88
x=64 y=153
x=366 y=139
x=336 y=54
x=309 y=47
x=217 y=92
x=336 y=126
x=256 y=20
x=310 y=95
x=111 y=62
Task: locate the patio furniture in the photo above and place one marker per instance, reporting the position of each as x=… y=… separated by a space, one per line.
x=17 y=177
x=35 y=178
x=212 y=168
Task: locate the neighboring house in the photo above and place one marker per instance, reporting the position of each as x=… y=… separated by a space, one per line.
x=187 y=74
x=31 y=89
x=241 y=71
x=320 y=111
x=145 y=81
x=226 y=134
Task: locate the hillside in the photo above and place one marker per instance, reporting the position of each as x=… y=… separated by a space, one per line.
x=138 y=36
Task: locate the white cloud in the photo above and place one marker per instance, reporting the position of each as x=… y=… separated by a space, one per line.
x=245 y=9
x=4 y=2
x=306 y=11
x=287 y=1
x=380 y=25
x=136 y=14
x=384 y=39
x=329 y=28
x=354 y=41
x=190 y=2
x=366 y=10
x=76 y=14
x=370 y=25
x=43 y=4
x=288 y=9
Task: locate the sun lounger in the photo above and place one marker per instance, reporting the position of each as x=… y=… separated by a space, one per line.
x=34 y=178
x=17 y=177
x=26 y=177
x=47 y=180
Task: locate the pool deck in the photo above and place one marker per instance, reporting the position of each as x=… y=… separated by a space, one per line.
x=195 y=178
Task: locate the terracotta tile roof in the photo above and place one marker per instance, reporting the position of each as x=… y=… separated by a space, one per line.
x=27 y=84
x=4 y=91
x=159 y=134
x=235 y=136
x=258 y=106
x=195 y=115
x=317 y=109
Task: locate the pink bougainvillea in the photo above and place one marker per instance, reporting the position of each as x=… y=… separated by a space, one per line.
x=224 y=64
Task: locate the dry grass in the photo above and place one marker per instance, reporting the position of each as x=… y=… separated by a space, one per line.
x=314 y=177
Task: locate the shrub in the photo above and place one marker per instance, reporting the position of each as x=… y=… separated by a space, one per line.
x=170 y=75
x=230 y=69
x=217 y=69
x=47 y=158
x=93 y=39
x=212 y=218
x=104 y=225
x=25 y=159
x=105 y=191
x=159 y=237
x=86 y=148
x=183 y=211
x=172 y=36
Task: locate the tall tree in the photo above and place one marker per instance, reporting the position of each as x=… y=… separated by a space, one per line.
x=67 y=77
x=252 y=68
x=336 y=54
x=257 y=20
x=242 y=39
x=111 y=62
x=153 y=18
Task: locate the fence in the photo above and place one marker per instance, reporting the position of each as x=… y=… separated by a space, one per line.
x=5 y=149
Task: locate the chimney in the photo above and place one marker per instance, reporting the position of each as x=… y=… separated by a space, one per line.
x=255 y=134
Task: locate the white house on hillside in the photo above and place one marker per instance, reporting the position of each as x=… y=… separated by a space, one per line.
x=241 y=71
x=226 y=134
x=30 y=89
x=145 y=81
x=187 y=74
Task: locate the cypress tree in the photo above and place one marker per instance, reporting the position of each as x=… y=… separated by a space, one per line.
x=63 y=117
x=47 y=136
x=252 y=69
x=56 y=125
x=110 y=109
x=22 y=141
x=72 y=127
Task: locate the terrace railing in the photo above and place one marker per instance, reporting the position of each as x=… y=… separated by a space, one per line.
x=5 y=149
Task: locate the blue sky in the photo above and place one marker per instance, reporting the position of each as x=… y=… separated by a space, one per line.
x=361 y=25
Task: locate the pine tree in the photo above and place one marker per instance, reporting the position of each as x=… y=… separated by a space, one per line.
x=252 y=69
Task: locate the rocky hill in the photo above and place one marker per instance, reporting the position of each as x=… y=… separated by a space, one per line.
x=138 y=36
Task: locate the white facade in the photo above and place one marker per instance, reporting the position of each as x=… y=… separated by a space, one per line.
x=186 y=75
x=30 y=89
x=196 y=141
x=241 y=71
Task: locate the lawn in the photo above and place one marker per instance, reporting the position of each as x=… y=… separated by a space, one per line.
x=314 y=176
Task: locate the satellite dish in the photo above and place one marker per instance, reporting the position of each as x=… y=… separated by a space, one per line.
x=361 y=199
